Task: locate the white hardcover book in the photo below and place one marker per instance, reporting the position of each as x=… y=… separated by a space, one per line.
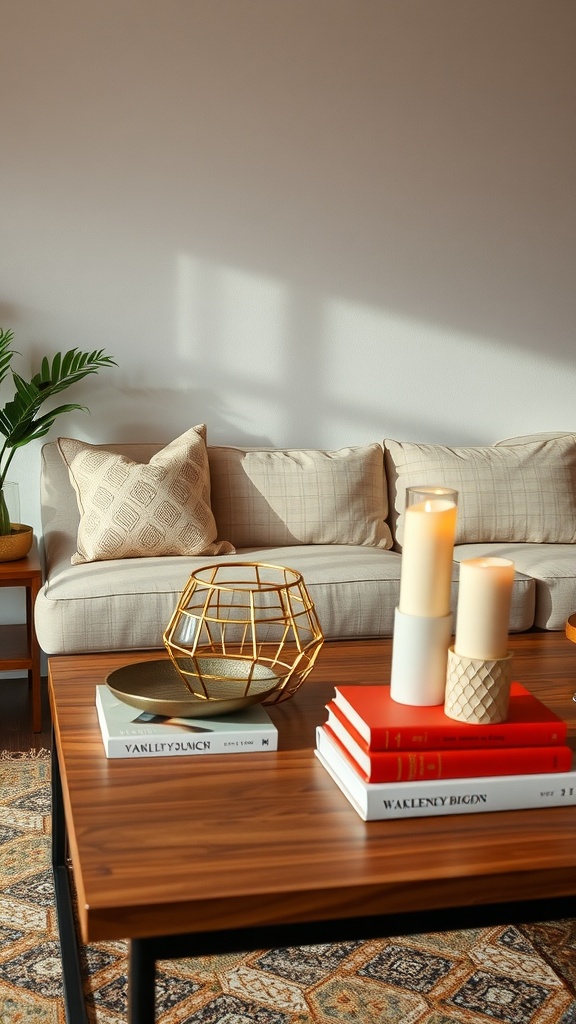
x=375 y=801
x=128 y=732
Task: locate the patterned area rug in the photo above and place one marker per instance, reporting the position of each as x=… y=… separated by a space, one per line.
x=511 y=975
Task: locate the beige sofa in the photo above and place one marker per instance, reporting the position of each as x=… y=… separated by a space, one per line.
x=112 y=580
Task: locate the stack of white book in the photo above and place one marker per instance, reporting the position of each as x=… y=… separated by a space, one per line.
x=128 y=732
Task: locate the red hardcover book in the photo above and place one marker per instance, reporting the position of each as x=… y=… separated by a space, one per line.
x=419 y=765
x=386 y=725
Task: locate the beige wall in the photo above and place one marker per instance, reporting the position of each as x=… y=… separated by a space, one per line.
x=303 y=222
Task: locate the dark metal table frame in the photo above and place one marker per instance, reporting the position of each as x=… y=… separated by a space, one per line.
x=143 y=953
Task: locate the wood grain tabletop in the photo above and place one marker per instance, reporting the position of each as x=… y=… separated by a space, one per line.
x=177 y=844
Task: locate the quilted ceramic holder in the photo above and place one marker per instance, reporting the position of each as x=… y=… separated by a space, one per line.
x=477 y=691
x=419 y=652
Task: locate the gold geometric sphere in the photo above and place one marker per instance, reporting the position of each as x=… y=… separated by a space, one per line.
x=244 y=629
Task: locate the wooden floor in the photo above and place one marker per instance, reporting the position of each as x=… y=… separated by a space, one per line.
x=16 y=717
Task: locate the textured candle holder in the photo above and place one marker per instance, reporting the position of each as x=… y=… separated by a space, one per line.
x=477 y=691
x=419 y=656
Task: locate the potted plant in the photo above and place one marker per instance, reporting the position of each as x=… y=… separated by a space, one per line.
x=20 y=419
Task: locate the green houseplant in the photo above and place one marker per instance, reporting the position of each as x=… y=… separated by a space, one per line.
x=20 y=419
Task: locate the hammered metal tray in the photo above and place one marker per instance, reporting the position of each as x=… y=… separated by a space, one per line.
x=156 y=686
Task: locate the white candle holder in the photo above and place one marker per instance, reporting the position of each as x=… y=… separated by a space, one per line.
x=419 y=656
x=477 y=689
x=423 y=620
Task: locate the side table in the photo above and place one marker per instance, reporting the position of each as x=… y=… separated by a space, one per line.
x=18 y=644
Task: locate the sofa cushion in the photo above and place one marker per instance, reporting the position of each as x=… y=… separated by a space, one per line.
x=354 y=589
x=521 y=491
x=264 y=497
x=131 y=509
x=103 y=606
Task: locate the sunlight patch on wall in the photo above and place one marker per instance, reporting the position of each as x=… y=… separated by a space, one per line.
x=253 y=323
x=232 y=333
x=188 y=306
x=230 y=318
x=268 y=367
x=378 y=358
x=374 y=354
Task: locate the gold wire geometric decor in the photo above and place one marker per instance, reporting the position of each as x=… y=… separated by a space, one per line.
x=244 y=629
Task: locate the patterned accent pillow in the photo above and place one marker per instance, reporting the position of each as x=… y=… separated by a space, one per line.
x=272 y=497
x=520 y=492
x=132 y=510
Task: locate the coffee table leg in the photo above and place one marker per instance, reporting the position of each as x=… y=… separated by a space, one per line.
x=71 y=972
x=141 y=982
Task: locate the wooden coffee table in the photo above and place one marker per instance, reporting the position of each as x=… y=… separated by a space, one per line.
x=200 y=855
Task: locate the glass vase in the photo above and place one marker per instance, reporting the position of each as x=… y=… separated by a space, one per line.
x=9 y=506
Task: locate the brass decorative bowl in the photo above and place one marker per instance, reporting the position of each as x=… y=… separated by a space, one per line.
x=158 y=688
x=244 y=631
x=17 y=543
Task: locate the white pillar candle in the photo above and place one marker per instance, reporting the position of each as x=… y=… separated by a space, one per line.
x=484 y=599
x=427 y=552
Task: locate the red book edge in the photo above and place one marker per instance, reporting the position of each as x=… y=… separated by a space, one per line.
x=525 y=732
x=426 y=765
x=563 y=756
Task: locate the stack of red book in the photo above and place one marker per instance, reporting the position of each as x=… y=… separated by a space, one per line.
x=394 y=760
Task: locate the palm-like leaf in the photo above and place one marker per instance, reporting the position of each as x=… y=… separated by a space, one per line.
x=19 y=419
x=6 y=353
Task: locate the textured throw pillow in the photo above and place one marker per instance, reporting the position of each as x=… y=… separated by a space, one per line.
x=275 y=498
x=129 y=509
x=518 y=492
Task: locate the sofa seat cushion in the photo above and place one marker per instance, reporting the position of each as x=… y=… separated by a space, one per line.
x=115 y=605
x=552 y=568
x=119 y=605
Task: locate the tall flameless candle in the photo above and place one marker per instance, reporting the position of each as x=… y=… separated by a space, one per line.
x=427 y=551
x=484 y=599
